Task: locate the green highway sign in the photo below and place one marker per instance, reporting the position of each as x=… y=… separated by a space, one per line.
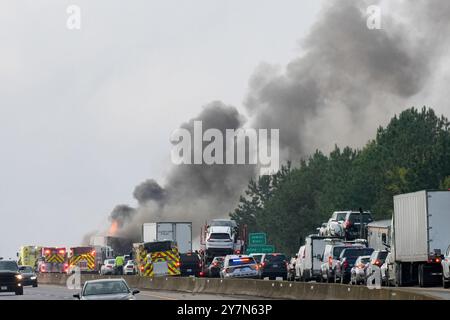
x=260 y=249
x=257 y=239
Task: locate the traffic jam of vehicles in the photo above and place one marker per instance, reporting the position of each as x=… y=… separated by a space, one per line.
x=412 y=248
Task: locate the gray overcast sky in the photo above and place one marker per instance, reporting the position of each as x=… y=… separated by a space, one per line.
x=86 y=115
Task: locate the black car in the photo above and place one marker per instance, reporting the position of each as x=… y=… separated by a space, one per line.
x=346 y=262
x=191 y=265
x=10 y=277
x=29 y=276
x=215 y=266
x=274 y=265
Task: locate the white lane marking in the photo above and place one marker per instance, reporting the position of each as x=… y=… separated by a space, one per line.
x=157 y=296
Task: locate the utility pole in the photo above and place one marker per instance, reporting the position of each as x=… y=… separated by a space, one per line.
x=361 y=223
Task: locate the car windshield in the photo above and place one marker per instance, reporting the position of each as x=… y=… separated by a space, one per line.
x=26 y=269
x=110 y=261
x=8 y=266
x=355 y=218
x=273 y=258
x=353 y=254
x=257 y=258
x=241 y=261
x=189 y=258
x=105 y=287
x=364 y=260
x=382 y=255
x=220 y=236
x=340 y=216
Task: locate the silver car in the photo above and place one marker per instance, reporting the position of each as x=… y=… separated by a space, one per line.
x=239 y=266
x=106 y=289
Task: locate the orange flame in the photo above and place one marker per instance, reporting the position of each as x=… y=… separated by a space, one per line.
x=113 y=228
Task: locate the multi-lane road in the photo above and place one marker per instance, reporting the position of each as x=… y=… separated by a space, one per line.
x=49 y=292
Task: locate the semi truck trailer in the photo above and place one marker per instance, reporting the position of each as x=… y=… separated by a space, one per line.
x=420 y=236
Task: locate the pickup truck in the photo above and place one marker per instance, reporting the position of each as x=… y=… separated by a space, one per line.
x=10 y=277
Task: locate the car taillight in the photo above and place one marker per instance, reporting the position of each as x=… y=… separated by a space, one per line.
x=361 y=266
x=142 y=268
x=178 y=264
x=434 y=260
x=201 y=273
x=377 y=262
x=263 y=265
x=215 y=264
x=330 y=261
x=345 y=264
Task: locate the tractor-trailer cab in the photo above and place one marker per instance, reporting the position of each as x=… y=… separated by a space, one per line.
x=53 y=260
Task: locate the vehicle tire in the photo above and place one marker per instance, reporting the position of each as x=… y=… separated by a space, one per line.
x=421 y=276
x=19 y=292
x=445 y=282
x=35 y=285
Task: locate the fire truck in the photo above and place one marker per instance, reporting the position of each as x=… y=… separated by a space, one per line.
x=29 y=256
x=88 y=259
x=158 y=258
x=53 y=260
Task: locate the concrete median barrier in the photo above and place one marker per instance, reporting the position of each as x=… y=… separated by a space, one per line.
x=254 y=288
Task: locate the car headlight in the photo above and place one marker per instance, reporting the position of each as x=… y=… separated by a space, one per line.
x=33 y=278
x=19 y=277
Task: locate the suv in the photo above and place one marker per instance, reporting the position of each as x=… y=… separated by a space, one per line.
x=331 y=252
x=346 y=261
x=274 y=265
x=219 y=241
x=10 y=277
x=352 y=224
x=191 y=265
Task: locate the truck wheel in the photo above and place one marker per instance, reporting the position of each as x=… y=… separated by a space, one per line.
x=445 y=282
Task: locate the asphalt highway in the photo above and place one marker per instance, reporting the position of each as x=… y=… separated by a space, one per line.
x=49 y=292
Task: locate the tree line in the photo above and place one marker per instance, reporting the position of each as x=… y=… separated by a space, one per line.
x=411 y=153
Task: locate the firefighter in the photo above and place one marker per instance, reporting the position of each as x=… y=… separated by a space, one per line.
x=119 y=264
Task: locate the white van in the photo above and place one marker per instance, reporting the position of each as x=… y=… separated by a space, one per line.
x=308 y=266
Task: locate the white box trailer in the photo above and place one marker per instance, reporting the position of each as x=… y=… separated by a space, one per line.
x=420 y=235
x=180 y=232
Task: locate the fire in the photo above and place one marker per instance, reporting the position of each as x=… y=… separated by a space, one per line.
x=113 y=228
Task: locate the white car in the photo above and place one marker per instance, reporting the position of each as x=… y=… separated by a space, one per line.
x=358 y=272
x=108 y=267
x=446 y=269
x=130 y=268
x=239 y=266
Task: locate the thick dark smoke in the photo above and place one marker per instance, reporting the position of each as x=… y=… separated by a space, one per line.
x=122 y=214
x=347 y=81
x=149 y=190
